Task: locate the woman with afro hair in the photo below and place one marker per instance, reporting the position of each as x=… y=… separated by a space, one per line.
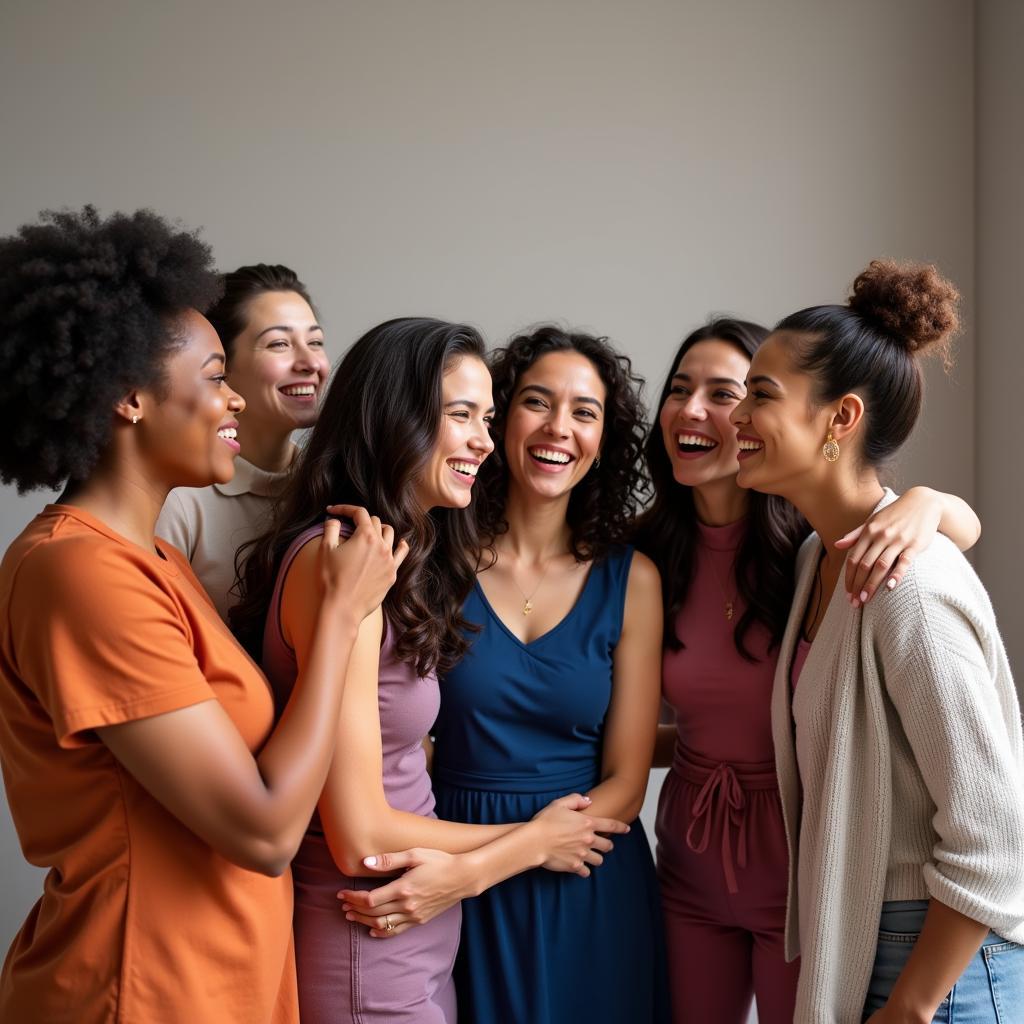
x=141 y=760
x=558 y=692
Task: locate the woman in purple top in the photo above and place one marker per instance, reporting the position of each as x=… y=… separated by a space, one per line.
x=405 y=426
x=726 y=557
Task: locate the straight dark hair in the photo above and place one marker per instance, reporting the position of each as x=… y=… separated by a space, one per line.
x=376 y=432
x=667 y=532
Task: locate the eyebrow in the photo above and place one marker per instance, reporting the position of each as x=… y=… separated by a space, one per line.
x=711 y=380
x=287 y=329
x=212 y=357
x=548 y=393
x=764 y=379
x=467 y=403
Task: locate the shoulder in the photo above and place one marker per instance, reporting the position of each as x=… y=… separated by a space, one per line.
x=643 y=574
x=940 y=596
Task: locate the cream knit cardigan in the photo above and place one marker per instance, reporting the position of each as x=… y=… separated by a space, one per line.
x=911 y=770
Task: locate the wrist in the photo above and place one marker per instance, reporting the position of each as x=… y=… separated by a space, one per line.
x=338 y=617
x=471 y=872
x=910 y=1008
x=536 y=846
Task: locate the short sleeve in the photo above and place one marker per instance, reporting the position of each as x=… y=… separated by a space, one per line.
x=100 y=640
x=176 y=526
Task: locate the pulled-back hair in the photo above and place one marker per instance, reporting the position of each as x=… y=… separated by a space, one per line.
x=376 y=432
x=869 y=346
x=88 y=312
x=602 y=505
x=667 y=532
x=230 y=315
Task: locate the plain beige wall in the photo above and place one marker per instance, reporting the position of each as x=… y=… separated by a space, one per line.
x=623 y=166
x=1000 y=345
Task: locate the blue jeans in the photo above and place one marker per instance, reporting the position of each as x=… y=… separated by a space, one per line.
x=990 y=991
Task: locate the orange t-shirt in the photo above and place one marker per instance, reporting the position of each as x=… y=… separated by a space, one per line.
x=140 y=920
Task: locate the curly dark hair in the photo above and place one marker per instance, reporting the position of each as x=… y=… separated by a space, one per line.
x=230 y=314
x=87 y=313
x=376 y=432
x=667 y=531
x=604 y=502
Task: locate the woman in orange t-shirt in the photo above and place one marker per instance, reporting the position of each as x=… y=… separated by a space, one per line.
x=139 y=751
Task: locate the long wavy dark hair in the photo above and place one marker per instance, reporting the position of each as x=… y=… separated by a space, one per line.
x=602 y=505
x=375 y=435
x=667 y=532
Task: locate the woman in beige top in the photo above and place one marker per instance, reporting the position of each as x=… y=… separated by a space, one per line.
x=276 y=361
x=903 y=778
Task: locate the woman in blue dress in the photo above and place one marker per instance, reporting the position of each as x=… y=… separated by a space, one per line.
x=559 y=692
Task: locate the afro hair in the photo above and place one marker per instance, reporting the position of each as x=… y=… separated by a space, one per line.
x=87 y=313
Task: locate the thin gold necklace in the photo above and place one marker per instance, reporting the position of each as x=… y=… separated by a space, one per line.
x=528 y=599
x=729 y=606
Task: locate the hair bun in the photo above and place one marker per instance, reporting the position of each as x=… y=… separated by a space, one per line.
x=911 y=302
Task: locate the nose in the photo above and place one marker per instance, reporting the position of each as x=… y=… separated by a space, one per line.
x=739 y=414
x=482 y=441
x=693 y=408
x=557 y=422
x=236 y=403
x=308 y=359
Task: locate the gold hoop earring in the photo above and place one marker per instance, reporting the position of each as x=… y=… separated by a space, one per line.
x=830 y=449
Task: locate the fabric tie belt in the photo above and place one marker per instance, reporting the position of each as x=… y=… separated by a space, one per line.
x=722 y=795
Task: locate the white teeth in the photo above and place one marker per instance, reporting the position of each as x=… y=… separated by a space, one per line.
x=550 y=456
x=299 y=389
x=469 y=468
x=704 y=442
x=750 y=446
x=228 y=433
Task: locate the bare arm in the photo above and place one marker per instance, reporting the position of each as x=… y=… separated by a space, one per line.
x=632 y=720
x=883 y=548
x=941 y=954
x=254 y=811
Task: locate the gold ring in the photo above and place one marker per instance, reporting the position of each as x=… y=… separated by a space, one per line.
x=389 y=925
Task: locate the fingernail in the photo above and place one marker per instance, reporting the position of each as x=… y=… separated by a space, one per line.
x=855 y=601
x=588 y=800
x=349 y=917
x=346 y=906
x=863 y=595
x=890 y=584
x=627 y=828
x=370 y=862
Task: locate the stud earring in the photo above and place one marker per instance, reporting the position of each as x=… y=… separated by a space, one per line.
x=597 y=462
x=830 y=449
x=135 y=419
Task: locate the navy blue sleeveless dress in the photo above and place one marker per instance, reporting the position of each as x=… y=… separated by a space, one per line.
x=521 y=724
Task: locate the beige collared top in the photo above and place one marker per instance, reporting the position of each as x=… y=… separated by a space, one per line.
x=209 y=524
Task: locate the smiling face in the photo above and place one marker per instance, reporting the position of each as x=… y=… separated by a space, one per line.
x=699 y=439
x=779 y=426
x=555 y=424
x=186 y=432
x=278 y=364
x=463 y=440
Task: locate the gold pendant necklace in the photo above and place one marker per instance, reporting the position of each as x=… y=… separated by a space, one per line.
x=528 y=599
x=729 y=606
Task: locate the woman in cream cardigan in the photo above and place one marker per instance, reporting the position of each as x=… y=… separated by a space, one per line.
x=896 y=725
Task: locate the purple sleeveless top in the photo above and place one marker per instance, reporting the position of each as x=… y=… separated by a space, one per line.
x=408 y=703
